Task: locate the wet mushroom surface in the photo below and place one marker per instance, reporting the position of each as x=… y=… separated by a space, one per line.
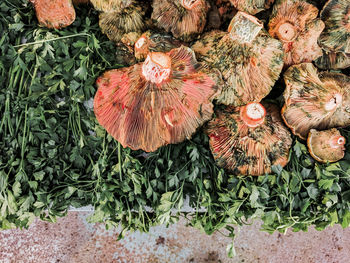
x=326 y=146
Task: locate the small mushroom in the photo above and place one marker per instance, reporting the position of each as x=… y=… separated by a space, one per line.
x=160 y=101
x=249 y=60
x=295 y=23
x=252 y=6
x=326 y=146
x=185 y=19
x=154 y=42
x=54 y=13
x=119 y=17
x=318 y=100
x=336 y=35
x=248 y=140
x=333 y=60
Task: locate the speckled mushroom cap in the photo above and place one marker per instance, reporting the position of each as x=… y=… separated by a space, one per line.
x=318 y=100
x=154 y=42
x=336 y=35
x=160 y=101
x=208 y=42
x=249 y=60
x=333 y=60
x=185 y=19
x=326 y=146
x=129 y=19
x=54 y=13
x=252 y=6
x=248 y=140
x=295 y=23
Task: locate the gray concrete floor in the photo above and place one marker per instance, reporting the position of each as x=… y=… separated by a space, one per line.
x=71 y=239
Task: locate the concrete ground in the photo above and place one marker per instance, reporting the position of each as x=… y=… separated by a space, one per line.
x=72 y=240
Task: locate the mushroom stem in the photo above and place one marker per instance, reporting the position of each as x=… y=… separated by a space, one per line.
x=157 y=67
x=287 y=32
x=337 y=141
x=333 y=102
x=189 y=4
x=253 y=114
x=244 y=27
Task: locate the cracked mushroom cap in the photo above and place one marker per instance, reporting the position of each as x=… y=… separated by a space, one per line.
x=333 y=60
x=336 y=35
x=319 y=100
x=160 y=101
x=123 y=20
x=252 y=6
x=249 y=60
x=185 y=19
x=154 y=42
x=54 y=13
x=326 y=146
x=248 y=140
x=295 y=23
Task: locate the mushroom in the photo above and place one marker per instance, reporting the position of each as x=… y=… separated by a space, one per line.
x=249 y=60
x=221 y=11
x=295 y=23
x=160 y=101
x=185 y=19
x=120 y=17
x=336 y=35
x=54 y=13
x=154 y=42
x=248 y=140
x=326 y=146
x=252 y=6
x=333 y=60
x=315 y=100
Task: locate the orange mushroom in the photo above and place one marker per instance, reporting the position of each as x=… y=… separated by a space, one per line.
x=295 y=23
x=54 y=13
x=160 y=101
x=326 y=146
x=336 y=35
x=185 y=19
x=249 y=60
x=315 y=100
x=252 y=6
x=248 y=140
x=154 y=42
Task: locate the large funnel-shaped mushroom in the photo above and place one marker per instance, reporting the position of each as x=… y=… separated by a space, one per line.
x=315 y=100
x=154 y=42
x=155 y=103
x=326 y=146
x=249 y=140
x=336 y=35
x=249 y=60
x=252 y=6
x=295 y=23
x=119 y=17
x=333 y=60
x=184 y=18
x=54 y=13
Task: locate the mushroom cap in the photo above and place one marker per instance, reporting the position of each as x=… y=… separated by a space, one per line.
x=117 y=23
x=326 y=146
x=160 y=101
x=124 y=55
x=185 y=19
x=249 y=60
x=111 y=5
x=336 y=35
x=252 y=6
x=155 y=42
x=54 y=13
x=295 y=23
x=333 y=60
x=315 y=100
x=208 y=42
x=248 y=140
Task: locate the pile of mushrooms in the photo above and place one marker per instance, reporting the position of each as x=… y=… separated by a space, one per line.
x=186 y=56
